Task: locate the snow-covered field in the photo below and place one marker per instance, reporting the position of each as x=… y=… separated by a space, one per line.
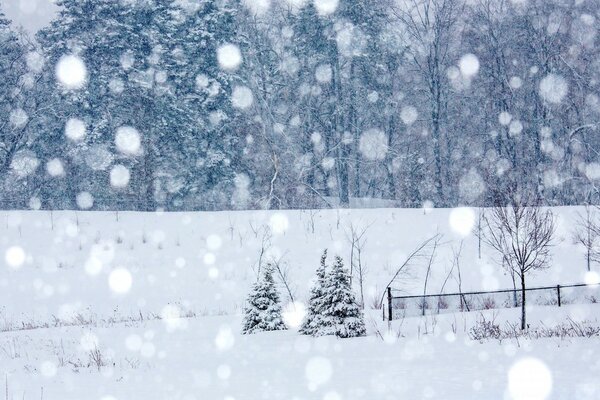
x=110 y=275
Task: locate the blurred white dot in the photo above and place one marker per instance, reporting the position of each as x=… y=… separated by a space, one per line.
x=242 y=97
x=180 y=262
x=172 y=318
x=119 y=176
x=553 y=88
x=128 y=141
x=332 y=396
x=120 y=280
x=409 y=115
x=133 y=342
x=89 y=342
x=55 y=167
x=592 y=278
x=213 y=242
x=323 y=73
x=318 y=371
x=75 y=129
x=147 y=350
x=462 y=220
x=279 y=223
x=18 y=118
x=529 y=379
x=504 y=118
x=373 y=144
x=15 y=257
x=224 y=372
x=229 y=56
x=71 y=72
x=225 y=339
x=209 y=259
x=469 y=65
x=326 y=7
x=293 y=314
x=85 y=200
x=213 y=273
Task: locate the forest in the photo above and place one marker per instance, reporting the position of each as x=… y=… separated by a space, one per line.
x=293 y=104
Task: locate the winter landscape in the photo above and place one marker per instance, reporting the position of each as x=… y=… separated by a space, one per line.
x=299 y=199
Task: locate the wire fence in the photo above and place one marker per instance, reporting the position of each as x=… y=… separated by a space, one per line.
x=399 y=307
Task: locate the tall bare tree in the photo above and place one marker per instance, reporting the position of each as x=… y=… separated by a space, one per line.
x=587 y=233
x=522 y=233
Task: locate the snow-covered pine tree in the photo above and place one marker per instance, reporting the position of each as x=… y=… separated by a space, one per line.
x=314 y=316
x=263 y=310
x=342 y=315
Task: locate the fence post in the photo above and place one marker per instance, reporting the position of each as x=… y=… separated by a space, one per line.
x=558 y=292
x=389 y=295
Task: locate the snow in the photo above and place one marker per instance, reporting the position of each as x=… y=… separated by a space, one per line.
x=75 y=129
x=373 y=144
x=128 y=140
x=462 y=220
x=409 y=115
x=469 y=65
x=15 y=257
x=120 y=280
x=71 y=72
x=193 y=270
x=553 y=88
x=55 y=167
x=529 y=379
x=229 y=57
x=18 y=118
x=323 y=73
x=242 y=97
x=119 y=176
x=326 y=7
x=85 y=200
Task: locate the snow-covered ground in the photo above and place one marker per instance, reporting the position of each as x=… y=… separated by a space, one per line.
x=104 y=272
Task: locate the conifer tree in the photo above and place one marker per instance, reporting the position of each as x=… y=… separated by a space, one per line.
x=314 y=317
x=341 y=313
x=263 y=310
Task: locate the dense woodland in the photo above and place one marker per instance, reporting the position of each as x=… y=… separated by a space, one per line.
x=445 y=102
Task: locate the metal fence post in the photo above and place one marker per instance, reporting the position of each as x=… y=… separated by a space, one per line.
x=389 y=295
x=558 y=293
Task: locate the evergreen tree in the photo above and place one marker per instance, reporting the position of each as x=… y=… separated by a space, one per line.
x=341 y=314
x=14 y=112
x=263 y=310
x=314 y=317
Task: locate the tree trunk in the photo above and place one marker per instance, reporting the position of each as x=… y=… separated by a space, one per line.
x=523 y=317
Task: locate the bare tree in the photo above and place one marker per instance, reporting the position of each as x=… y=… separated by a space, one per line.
x=436 y=243
x=282 y=270
x=357 y=240
x=587 y=233
x=403 y=269
x=522 y=234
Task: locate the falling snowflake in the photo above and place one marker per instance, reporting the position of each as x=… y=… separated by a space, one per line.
x=469 y=65
x=119 y=176
x=229 y=57
x=242 y=97
x=75 y=129
x=373 y=144
x=553 y=88
x=71 y=72
x=128 y=141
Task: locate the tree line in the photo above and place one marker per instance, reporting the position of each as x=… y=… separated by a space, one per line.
x=301 y=104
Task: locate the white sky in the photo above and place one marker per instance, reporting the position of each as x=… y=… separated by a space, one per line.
x=31 y=14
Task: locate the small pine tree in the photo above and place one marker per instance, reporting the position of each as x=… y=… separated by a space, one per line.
x=263 y=310
x=314 y=316
x=341 y=314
